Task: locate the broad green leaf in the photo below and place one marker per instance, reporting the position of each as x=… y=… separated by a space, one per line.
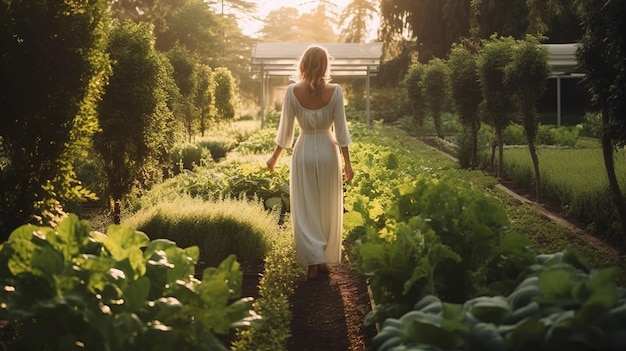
x=274 y=202
x=73 y=235
x=485 y=337
x=428 y=329
x=193 y=254
x=602 y=299
x=27 y=231
x=489 y=309
x=352 y=219
x=21 y=260
x=528 y=335
x=120 y=240
x=48 y=261
x=64 y=283
x=136 y=294
x=240 y=314
x=95 y=263
x=556 y=283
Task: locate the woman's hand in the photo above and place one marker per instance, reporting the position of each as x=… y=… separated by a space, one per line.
x=349 y=173
x=271 y=163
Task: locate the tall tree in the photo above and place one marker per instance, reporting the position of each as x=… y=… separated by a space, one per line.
x=436 y=90
x=466 y=94
x=504 y=18
x=133 y=113
x=526 y=77
x=601 y=54
x=540 y=14
x=186 y=78
x=414 y=84
x=280 y=26
x=435 y=24
x=152 y=11
x=495 y=55
x=355 y=19
x=195 y=26
x=318 y=25
x=53 y=67
x=205 y=98
x=226 y=98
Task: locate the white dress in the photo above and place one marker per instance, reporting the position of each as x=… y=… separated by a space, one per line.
x=316 y=192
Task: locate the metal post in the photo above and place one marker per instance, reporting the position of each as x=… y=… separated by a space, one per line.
x=262 y=96
x=367 y=98
x=558 y=101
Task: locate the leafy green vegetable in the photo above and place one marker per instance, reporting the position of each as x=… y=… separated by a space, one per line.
x=70 y=287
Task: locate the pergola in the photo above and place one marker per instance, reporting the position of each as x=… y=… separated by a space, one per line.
x=353 y=60
x=562 y=61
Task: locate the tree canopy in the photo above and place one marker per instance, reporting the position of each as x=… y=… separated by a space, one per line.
x=53 y=68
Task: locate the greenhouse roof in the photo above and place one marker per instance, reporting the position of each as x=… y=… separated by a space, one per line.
x=562 y=59
x=348 y=59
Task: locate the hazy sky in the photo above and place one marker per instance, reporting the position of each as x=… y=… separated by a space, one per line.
x=251 y=24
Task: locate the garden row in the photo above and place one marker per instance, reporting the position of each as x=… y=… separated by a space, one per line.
x=447 y=272
x=420 y=232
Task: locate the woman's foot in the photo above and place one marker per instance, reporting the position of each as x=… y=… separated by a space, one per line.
x=312 y=274
x=323 y=268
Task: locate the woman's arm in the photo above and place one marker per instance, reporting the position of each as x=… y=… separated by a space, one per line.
x=347 y=165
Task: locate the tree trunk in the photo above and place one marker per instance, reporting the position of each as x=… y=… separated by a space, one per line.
x=117 y=212
x=492 y=162
x=616 y=194
x=437 y=120
x=535 y=159
x=474 y=141
x=500 y=141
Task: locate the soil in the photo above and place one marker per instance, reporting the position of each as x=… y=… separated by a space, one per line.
x=328 y=313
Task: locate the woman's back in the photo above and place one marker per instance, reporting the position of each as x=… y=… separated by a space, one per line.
x=313 y=102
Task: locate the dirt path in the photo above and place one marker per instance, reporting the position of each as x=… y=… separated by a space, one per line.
x=328 y=313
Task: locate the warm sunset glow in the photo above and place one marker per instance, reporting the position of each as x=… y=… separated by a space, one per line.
x=251 y=23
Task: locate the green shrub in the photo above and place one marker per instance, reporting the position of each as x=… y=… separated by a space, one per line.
x=261 y=142
x=514 y=135
x=217 y=146
x=271 y=119
x=69 y=288
x=389 y=104
x=566 y=136
x=592 y=126
x=280 y=275
x=546 y=135
x=238 y=130
x=187 y=156
x=353 y=114
x=220 y=228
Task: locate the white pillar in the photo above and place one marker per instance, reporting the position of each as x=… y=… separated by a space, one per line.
x=262 y=96
x=558 y=101
x=367 y=97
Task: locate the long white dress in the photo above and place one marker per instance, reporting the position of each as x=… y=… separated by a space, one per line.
x=316 y=193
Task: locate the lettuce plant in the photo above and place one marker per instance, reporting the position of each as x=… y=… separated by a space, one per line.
x=560 y=304
x=71 y=288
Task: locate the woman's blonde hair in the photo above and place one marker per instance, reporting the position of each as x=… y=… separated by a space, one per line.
x=314 y=66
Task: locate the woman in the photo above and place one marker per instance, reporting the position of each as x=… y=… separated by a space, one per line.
x=316 y=197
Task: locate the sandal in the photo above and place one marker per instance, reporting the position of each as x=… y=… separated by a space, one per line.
x=323 y=268
x=312 y=274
